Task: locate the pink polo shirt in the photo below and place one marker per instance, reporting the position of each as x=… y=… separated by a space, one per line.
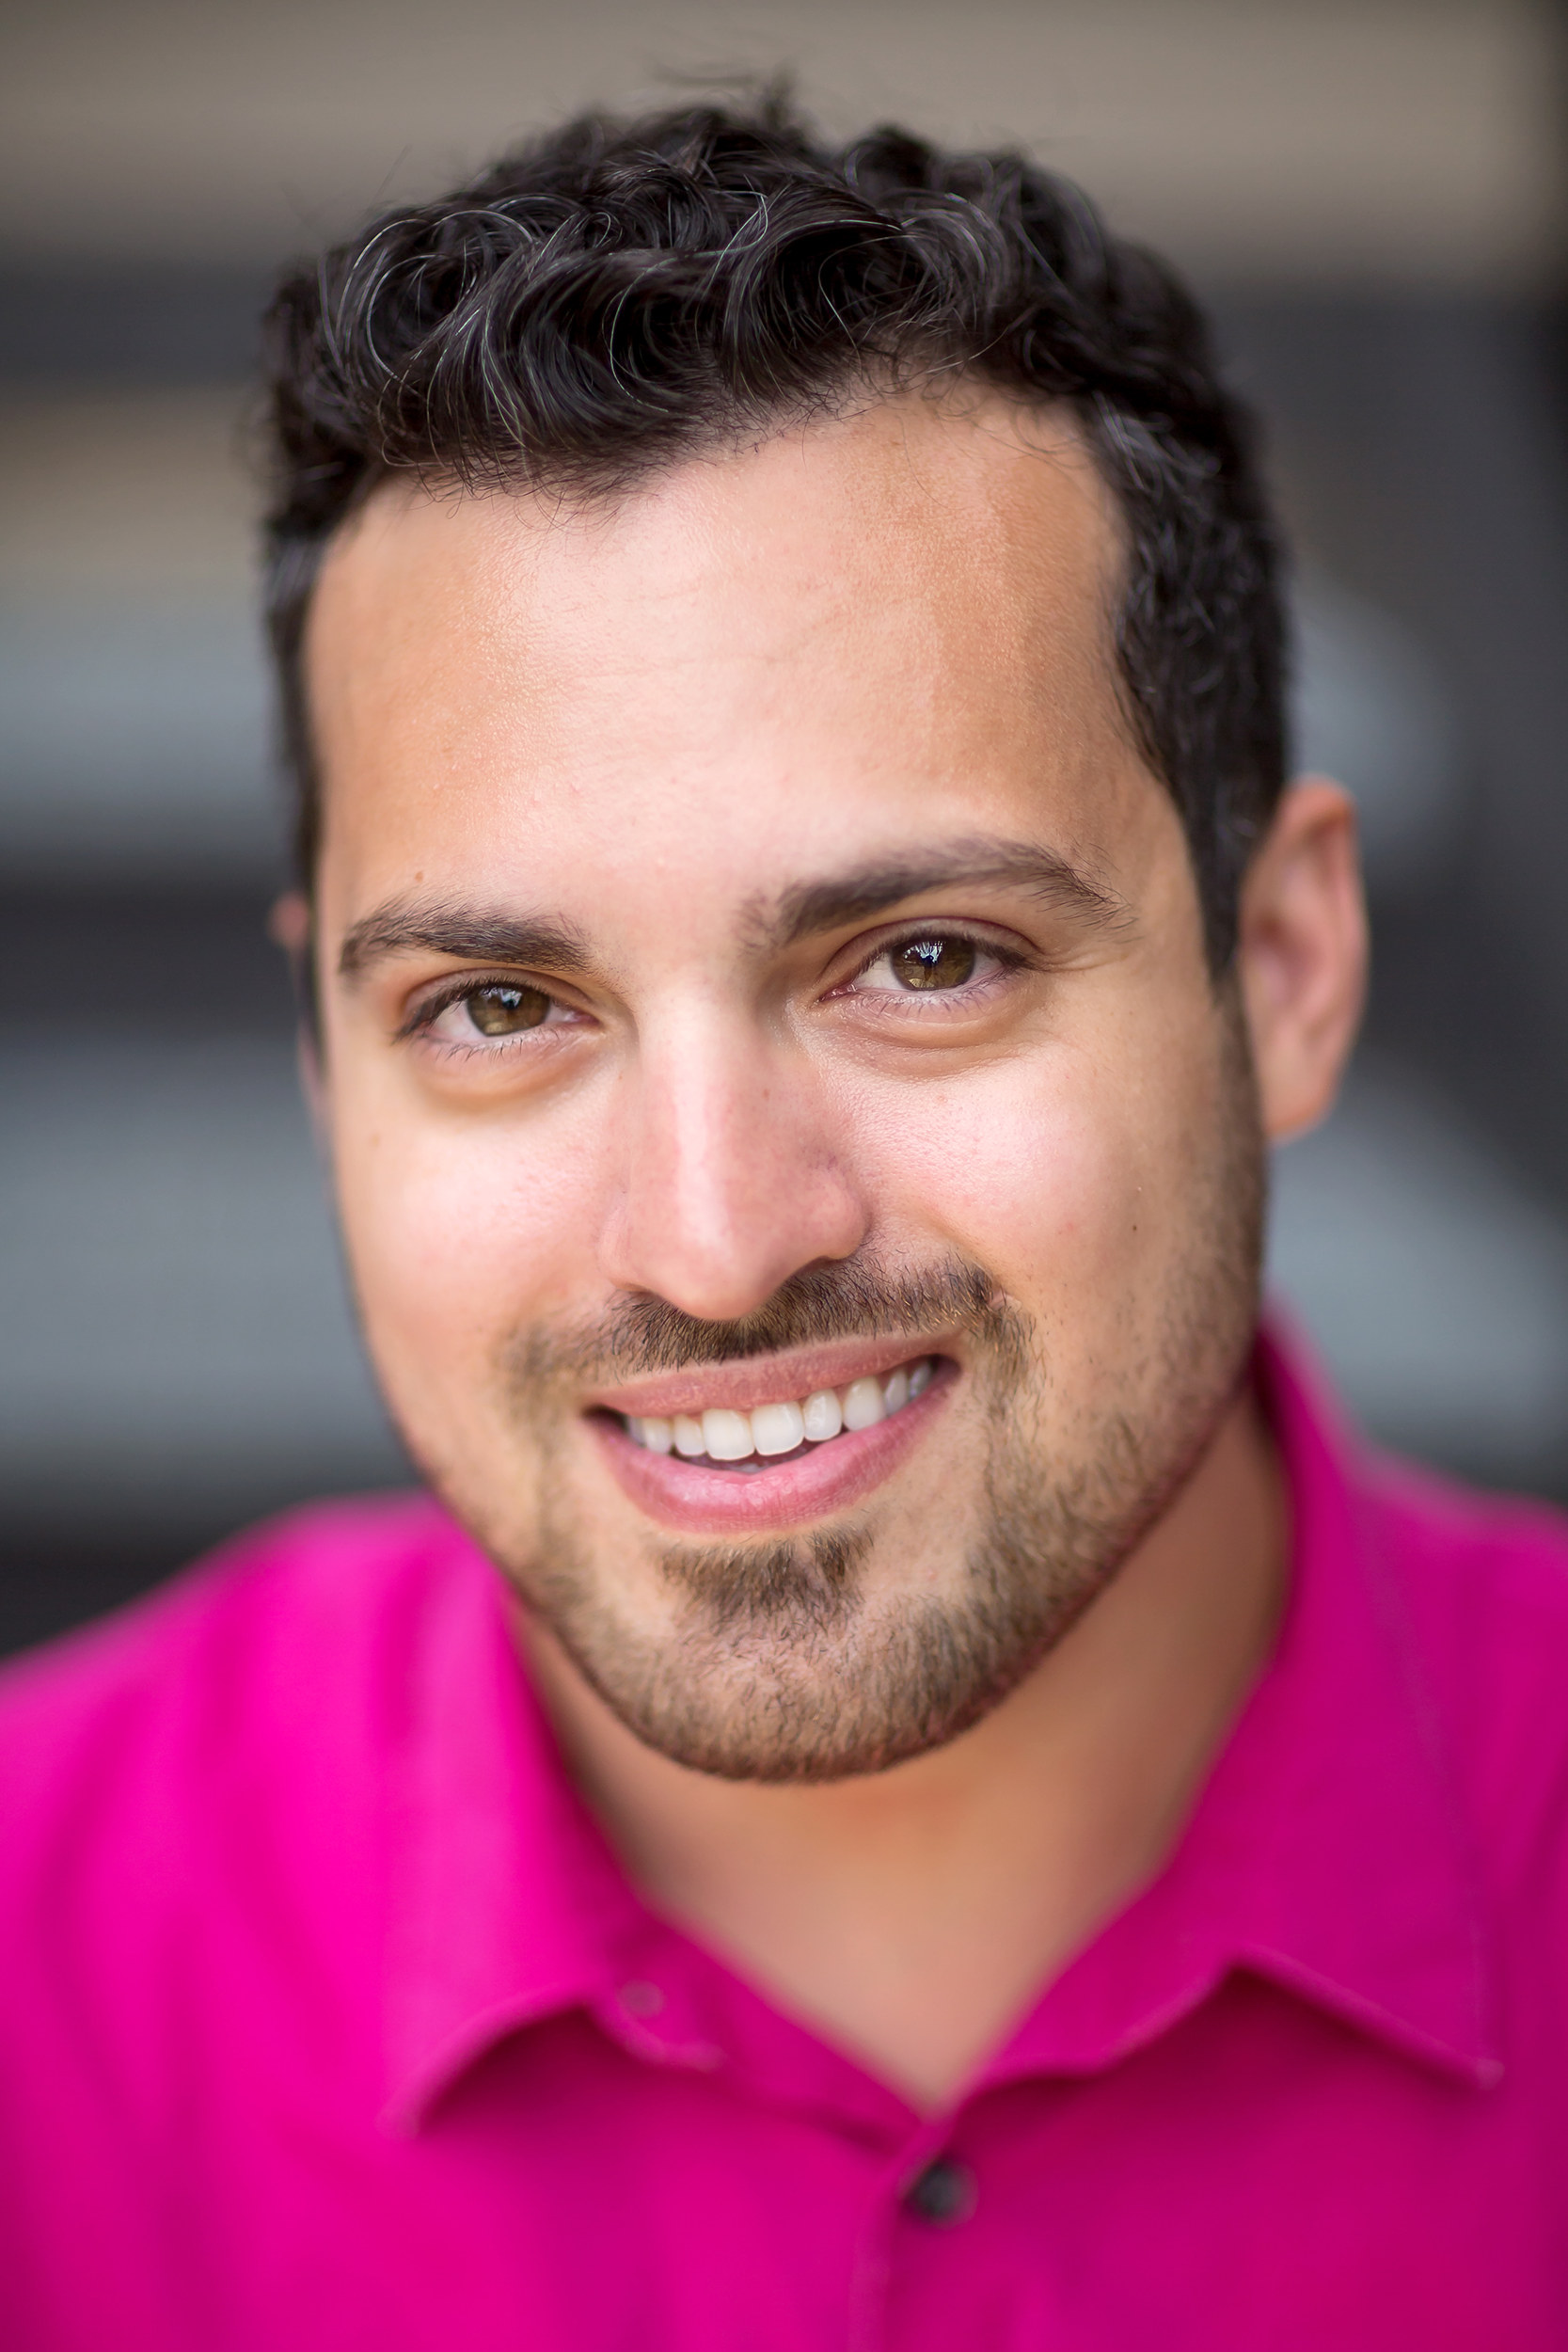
x=328 y=2021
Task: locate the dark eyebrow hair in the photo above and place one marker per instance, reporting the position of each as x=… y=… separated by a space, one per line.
x=443 y=928
x=865 y=890
x=486 y=935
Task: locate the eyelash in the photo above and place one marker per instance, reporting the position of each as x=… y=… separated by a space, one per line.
x=422 y=1022
x=1009 y=960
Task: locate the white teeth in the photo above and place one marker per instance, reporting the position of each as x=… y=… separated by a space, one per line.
x=863 y=1405
x=726 y=1435
x=778 y=1428
x=822 y=1416
x=723 y=1436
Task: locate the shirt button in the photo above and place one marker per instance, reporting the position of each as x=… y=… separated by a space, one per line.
x=943 y=2194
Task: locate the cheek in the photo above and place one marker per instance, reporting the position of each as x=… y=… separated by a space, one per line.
x=1062 y=1180
x=458 y=1231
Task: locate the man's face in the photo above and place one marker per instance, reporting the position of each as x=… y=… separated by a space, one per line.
x=758 y=968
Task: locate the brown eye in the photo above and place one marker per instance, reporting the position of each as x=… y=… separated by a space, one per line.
x=933 y=963
x=503 y=1010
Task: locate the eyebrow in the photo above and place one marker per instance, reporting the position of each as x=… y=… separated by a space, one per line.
x=865 y=890
x=482 y=935
x=474 y=934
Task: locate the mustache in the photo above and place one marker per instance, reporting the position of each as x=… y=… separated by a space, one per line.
x=855 y=1297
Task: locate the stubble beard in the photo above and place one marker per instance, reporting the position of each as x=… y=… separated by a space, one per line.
x=776 y=1663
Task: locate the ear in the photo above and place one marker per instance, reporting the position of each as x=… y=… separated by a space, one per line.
x=289 y=923
x=1302 y=954
x=291 y=927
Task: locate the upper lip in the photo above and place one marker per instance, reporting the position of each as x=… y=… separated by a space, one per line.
x=762 y=1379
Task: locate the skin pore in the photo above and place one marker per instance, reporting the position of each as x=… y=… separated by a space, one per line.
x=755 y=959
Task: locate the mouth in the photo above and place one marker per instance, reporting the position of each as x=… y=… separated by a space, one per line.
x=721 y=1437
x=787 y=1459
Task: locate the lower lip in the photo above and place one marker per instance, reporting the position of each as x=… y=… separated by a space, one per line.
x=833 y=1476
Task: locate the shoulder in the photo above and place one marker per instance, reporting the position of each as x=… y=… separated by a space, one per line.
x=1477 y=1567
x=289 y=1633
x=200 y=1798
x=1481 y=1585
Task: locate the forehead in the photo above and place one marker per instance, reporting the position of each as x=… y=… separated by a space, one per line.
x=911 y=605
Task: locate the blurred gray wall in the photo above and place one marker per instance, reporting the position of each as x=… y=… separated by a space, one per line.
x=1371 y=195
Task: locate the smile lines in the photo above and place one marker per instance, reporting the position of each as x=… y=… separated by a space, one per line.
x=720 y=1435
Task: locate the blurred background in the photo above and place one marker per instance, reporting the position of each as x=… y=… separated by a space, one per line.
x=1372 y=198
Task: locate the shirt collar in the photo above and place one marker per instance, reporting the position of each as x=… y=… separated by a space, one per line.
x=503 y=1897
x=1327 y=1852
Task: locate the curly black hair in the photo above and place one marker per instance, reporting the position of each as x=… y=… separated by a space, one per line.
x=618 y=293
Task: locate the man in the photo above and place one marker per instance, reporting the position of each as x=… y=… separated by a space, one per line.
x=915 y=1787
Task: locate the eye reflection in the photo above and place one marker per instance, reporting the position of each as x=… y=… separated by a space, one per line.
x=503 y=1009
x=936 y=962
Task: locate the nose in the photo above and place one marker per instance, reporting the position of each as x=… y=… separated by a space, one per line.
x=733 y=1178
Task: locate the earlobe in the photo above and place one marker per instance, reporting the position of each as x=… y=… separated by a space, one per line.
x=1303 y=954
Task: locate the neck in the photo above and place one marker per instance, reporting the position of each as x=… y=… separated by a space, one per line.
x=914 y=1915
